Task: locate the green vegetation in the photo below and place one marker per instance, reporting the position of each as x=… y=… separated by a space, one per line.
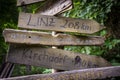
x=85 y=9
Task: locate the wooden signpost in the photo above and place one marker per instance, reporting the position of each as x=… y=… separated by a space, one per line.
x=35 y=55
x=42 y=38
x=53 y=7
x=43 y=22
x=85 y=74
x=26 y=2
x=53 y=58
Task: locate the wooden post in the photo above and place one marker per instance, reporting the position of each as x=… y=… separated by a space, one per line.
x=54 y=34
x=54 y=47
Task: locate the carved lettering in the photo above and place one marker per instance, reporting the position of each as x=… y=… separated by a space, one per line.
x=75 y=25
x=77 y=76
x=52 y=22
x=82 y=63
x=41 y=21
x=53 y=59
x=31 y=21
x=47 y=57
x=44 y=22
x=85 y=27
x=17 y=36
x=28 y=54
x=64 y=25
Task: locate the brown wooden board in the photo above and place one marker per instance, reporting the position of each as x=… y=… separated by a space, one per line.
x=26 y=2
x=53 y=7
x=85 y=74
x=42 y=38
x=44 y=22
x=53 y=58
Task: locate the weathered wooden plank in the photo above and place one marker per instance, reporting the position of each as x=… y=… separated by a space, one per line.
x=42 y=22
x=53 y=7
x=69 y=8
x=85 y=74
x=42 y=38
x=53 y=58
x=26 y=2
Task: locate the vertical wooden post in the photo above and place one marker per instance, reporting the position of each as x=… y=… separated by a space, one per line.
x=54 y=47
x=54 y=34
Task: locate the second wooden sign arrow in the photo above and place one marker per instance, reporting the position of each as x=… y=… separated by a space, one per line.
x=53 y=58
x=41 y=38
x=42 y=22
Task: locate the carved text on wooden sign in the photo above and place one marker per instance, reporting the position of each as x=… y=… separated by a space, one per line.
x=25 y=2
x=53 y=58
x=84 y=74
x=42 y=22
x=42 y=38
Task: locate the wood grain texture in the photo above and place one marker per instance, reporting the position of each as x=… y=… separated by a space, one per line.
x=44 y=22
x=85 y=74
x=53 y=7
x=26 y=2
x=42 y=38
x=53 y=58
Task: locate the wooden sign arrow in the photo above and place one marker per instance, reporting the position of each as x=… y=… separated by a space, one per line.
x=53 y=7
x=42 y=38
x=42 y=22
x=53 y=58
x=26 y=2
x=85 y=74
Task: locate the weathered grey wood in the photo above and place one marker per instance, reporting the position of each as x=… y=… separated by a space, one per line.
x=26 y=2
x=42 y=22
x=85 y=74
x=53 y=7
x=42 y=38
x=53 y=58
x=70 y=7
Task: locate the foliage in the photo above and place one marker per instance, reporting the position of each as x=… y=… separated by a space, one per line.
x=8 y=19
x=85 y=9
x=21 y=70
x=92 y=9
